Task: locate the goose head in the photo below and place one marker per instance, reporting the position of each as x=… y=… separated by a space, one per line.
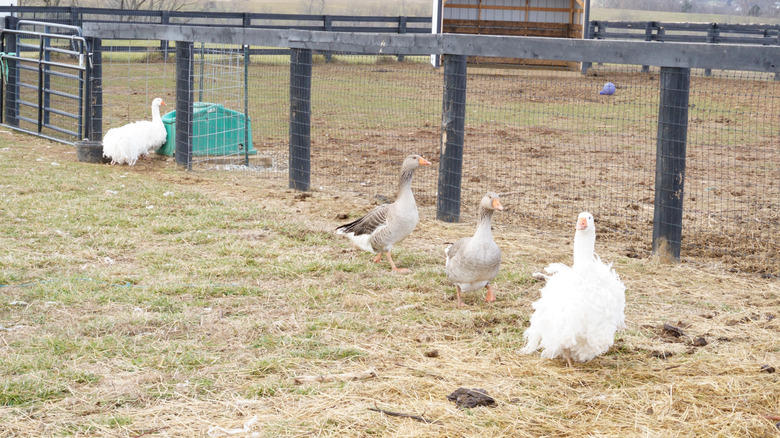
x=414 y=161
x=491 y=202
x=157 y=102
x=584 y=238
x=585 y=222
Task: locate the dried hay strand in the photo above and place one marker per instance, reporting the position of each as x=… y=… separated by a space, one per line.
x=220 y=317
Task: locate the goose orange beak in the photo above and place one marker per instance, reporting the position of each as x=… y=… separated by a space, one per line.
x=162 y=102
x=582 y=223
x=424 y=162
x=497 y=205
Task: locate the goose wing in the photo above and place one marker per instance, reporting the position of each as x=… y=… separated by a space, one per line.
x=368 y=224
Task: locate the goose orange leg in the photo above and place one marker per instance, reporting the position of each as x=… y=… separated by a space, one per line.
x=490 y=296
x=457 y=293
x=392 y=265
x=378 y=257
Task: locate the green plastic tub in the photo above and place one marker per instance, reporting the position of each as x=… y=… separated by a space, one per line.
x=216 y=131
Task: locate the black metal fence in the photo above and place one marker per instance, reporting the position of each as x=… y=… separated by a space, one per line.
x=672 y=161
x=718 y=33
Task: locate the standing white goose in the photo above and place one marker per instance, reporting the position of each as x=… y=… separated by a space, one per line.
x=126 y=143
x=388 y=224
x=581 y=307
x=472 y=262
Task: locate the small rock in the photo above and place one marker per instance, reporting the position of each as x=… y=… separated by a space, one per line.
x=432 y=353
x=469 y=398
x=342 y=216
x=699 y=342
x=768 y=369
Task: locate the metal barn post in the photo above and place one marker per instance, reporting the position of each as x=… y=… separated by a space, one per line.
x=184 y=97
x=670 y=162
x=300 y=118
x=586 y=32
x=453 y=127
x=11 y=103
x=95 y=91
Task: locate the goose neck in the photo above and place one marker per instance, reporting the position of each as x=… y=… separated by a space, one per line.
x=405 y=182
x=484 y=228
x=584 y=246
x=156 y=114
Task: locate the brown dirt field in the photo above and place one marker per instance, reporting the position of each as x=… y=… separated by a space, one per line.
x=550 y=140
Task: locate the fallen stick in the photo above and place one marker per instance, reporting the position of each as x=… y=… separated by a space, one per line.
x=336 y=377
x=402 y=415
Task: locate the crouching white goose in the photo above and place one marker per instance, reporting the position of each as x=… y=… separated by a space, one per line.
x=388 y=224
x=581 y=307
x=126 y=143
x=472 y=262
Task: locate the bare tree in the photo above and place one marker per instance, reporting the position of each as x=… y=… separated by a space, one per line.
x=154 y=5
x=313 y=7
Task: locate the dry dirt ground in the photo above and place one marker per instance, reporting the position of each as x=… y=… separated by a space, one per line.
x=407 y=330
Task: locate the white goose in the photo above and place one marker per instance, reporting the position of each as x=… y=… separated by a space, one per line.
x=581 y=307
x=126 y=143
x=472 y=262
x=388 y=224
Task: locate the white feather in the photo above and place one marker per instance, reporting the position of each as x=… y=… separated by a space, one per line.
x=362 y=241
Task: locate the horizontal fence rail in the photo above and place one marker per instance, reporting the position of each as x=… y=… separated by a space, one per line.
x=78 y=16
x=724 y=57
x=719 y=33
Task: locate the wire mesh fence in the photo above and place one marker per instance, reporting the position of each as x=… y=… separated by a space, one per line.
x=132 y=80
x=545 y=138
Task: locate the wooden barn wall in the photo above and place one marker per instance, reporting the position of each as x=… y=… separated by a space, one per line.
x=471 y=13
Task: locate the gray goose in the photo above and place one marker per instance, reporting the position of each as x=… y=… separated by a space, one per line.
x=388 y=224
x=472 y=262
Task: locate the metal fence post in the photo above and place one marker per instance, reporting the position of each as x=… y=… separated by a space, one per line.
x=75 y=20
x=777 y=42
x=11 y=103
x=712 y=37
x=300 y=119
x=328 y=26
x=648 y=37
x=95 y=91
x=670 y=162
x=184 y=98
x=401 y=30
x=165 y=18
x=453 y=127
